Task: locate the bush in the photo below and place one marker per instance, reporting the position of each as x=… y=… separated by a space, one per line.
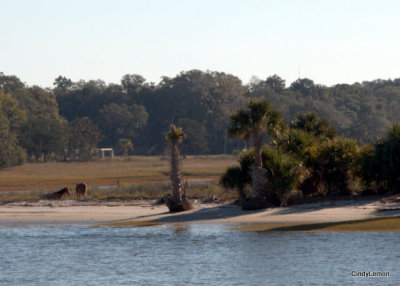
x=283 y=174
x=297 y=142
x=333 y=164
x=234 y=178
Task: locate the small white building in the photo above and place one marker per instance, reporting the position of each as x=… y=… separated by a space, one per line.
x=103 y=152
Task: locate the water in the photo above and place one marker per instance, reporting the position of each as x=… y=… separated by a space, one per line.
x=197 y=254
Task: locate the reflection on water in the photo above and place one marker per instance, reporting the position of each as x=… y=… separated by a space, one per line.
x=179 y=228
x=197 y=254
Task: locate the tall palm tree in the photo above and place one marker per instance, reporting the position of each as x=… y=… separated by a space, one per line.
x=250 y=123
x=178 y=202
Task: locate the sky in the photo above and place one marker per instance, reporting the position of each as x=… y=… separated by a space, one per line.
x=330 y=41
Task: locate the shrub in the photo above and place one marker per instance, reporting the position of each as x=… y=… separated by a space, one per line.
x=234 y=178
x=297 y=142
x=333 y=164
x=284 y=174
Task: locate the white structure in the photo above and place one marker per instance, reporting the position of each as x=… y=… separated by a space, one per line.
x=102 y=152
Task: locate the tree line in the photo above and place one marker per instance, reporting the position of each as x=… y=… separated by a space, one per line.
x=40 y=124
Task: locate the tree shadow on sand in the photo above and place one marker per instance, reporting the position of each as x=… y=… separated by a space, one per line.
x=200 y=214
x=214 y=213
x=327 y=204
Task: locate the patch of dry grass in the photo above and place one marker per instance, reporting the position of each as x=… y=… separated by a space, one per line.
x=6 y=197
x=147 y=191
x=377 y=224
x=153 y=191
x=133 y=170
x=211 y=190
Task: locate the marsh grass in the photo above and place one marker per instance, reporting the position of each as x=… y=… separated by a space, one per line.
x=155 y=191
x=149 y=191
x=376 y=224
x=17 y=196
x=212 y=190
x=146 y=191
x=133 y=170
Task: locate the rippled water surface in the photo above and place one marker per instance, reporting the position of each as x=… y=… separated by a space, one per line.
x=197 y=254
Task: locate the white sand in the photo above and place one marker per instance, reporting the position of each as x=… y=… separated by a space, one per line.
x=69 y=211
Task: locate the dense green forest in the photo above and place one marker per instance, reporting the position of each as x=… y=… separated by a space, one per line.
x=40 y=124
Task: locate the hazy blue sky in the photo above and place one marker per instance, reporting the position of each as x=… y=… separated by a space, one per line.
x=332 y=41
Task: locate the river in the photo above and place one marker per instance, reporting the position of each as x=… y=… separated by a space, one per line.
x=192 y=254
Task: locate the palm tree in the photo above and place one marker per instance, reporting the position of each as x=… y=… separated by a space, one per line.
x=178 y=202
x=311 y=123
x=250 y=123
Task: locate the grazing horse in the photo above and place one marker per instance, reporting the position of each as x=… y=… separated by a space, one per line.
x=81 y=190
x=57 y=195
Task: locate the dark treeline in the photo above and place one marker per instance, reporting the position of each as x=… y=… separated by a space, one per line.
x=41 y=124
x=199 y=102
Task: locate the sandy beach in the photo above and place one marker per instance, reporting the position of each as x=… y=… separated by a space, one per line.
x=92 y=212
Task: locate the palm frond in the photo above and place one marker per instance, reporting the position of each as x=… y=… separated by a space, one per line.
x=258 y=114
x=175 y=135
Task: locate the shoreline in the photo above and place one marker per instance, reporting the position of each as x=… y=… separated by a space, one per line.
x=117 y=212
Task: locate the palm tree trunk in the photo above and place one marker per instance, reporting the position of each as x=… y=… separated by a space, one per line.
x=257 y=141
x=257 y=170
x=176 y=176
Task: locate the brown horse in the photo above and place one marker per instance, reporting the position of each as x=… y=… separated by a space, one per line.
x=81 y=190
x=57 y=195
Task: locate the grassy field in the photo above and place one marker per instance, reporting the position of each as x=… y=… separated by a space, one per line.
x=135 y=177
